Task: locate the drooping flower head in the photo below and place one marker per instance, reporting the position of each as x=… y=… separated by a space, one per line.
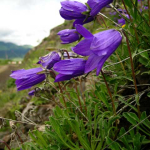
x=98 y=47
x=49 y=60
x=97 y=5
x=72 y=10
x=31 y=93
x=69 y=68
x=122 y=21
x=27 y=78
x=68 y=36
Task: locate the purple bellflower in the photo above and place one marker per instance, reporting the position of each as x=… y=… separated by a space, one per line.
x=98 y=47
x=49 y=60
x=122 y=20
x=68 y=36
x=27 y=78
x=97 y=5
x=72 y=10
x=69 y=68
x=31 y=93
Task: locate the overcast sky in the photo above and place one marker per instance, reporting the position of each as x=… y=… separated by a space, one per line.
x=28 y=21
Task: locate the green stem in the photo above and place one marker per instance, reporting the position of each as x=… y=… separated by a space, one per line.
x=59 y=88
x=103 y=21
x=62 y=94
x=83 y=94
x=78 y=95
x=121 y=64
x=139 y=13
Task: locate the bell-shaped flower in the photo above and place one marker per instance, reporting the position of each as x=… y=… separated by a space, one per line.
x=68 y=36
x=122 y=21
x=27 y=78
x=31 y=93
x=49 y=60
x=97 y=5
x=98 y=47
x=72 y=10
x=69 y=68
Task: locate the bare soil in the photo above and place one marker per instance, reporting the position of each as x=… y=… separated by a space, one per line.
x=5 y=72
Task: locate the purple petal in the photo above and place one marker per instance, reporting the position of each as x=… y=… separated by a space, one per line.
x=100 y=65
x=83 y=21
x=70 y=66
x=49 y=60
x=63 y=77
x=106 y=42
x=83 y=31
x=72 y=10
x=97 y=5
x=23 y=74
x=31 y=93
x=73 y=6
x=68 y=36
x=63 y=13
x=83 y=47
x=121 y=21
x=23 y=84
x=92 y=62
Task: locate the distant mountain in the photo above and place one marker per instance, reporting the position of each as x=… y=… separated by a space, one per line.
x=11 y=50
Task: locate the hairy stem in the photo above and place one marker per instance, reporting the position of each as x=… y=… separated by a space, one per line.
x=51 y=71
x=121 y=64
x=83 y=95
x=67 y=53
x=149 y=10
x=113 y=104
x=78 y=96
x=62 y=94
x=5 y=144
x=133 y=73
x=136 y=35
x=19 y=137
x=103 y=21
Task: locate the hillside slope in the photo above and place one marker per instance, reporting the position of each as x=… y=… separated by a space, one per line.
x=10 y=50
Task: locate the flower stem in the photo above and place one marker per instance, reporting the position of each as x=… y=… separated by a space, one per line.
x=51 y=71
x=136 y=35
x=62 y=94
x=67 y=53
x=121 y=63
x=83 y=94
x=149 y=9
x=113 y=104
x=103 y=21
x=133 y=73
x=78 y=95
x=141 y=5
x=126 y=9
x=19 y=137
x=5 y=144
x=75 y=83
